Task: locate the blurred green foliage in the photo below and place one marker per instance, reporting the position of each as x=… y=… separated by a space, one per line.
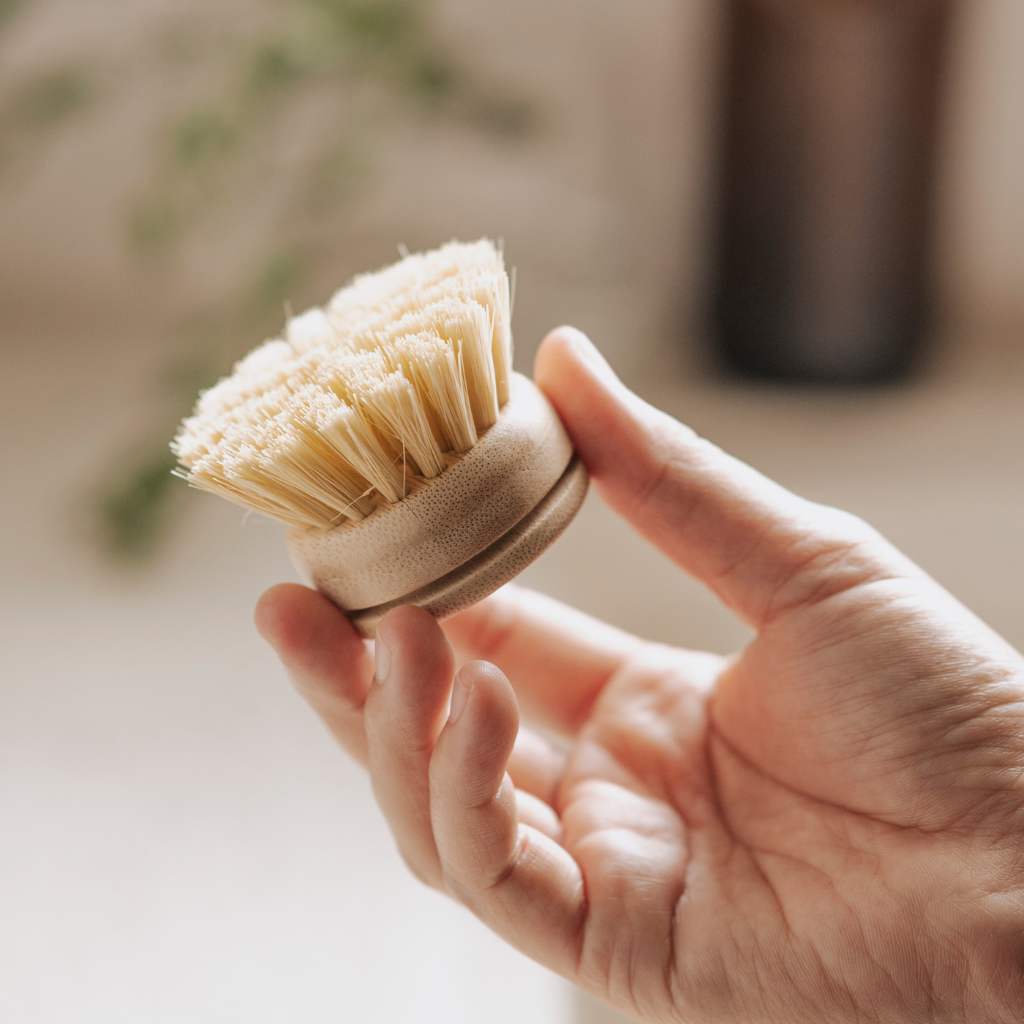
x=133 y=506
x=385 y=24
x=48 y=98
x=275 y=66
x=202 y=162
x=152 y=223
x=332 y=45
x=432 y=78
x=40 y=103
x=8 y=9
x=333 y=177
x=275 y=283
x=202 y=135
x=509 y=116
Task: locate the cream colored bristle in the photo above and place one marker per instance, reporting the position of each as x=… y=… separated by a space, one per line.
x=436 y=370
x=402 y=371
x=309 y=330
x=395 y=406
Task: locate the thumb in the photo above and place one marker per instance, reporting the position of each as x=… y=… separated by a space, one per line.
x=761 y=548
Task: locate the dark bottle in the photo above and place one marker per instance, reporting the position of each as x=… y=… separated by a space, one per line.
x=826 y=184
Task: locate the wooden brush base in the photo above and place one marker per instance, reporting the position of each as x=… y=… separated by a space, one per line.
x=461 y=535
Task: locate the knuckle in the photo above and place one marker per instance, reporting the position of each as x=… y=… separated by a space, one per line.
x=427 y=875
x=840 y=552
x=660 y=487
x=846 y=528
x=493 y=629
x=454 y=887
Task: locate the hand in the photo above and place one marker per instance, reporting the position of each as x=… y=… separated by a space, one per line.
x=828 y=826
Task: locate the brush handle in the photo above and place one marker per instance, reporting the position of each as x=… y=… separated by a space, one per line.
x=498 y=564
x=462 y=534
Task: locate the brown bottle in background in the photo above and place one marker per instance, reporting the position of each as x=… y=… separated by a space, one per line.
x=826 y=175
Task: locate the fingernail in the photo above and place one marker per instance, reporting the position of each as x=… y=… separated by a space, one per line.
x=381 y=659
x=589 y=354
x=460 y=695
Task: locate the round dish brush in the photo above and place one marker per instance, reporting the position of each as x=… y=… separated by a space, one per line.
x=389 y=432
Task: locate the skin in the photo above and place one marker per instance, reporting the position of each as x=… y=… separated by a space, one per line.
x=828 y=825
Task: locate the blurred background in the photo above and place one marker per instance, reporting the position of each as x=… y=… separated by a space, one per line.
x=796 y=225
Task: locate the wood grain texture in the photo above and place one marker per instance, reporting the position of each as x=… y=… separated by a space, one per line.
x=406 y=548
x=498 y=564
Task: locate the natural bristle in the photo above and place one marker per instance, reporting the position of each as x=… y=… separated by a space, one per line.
x=403 y=370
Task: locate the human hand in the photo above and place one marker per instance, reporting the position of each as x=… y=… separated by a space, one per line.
x=827 y=826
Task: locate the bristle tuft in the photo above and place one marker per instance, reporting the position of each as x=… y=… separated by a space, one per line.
x=402 y=369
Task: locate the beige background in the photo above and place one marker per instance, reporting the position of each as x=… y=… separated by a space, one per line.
x=178 y=838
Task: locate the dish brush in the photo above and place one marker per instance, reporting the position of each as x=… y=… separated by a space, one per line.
x=390 y=433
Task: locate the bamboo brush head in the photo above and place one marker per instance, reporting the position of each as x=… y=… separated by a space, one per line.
x=389 y=432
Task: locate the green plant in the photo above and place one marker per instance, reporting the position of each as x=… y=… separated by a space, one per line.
x=51 y=97
x=383 y=52
x=8 y=9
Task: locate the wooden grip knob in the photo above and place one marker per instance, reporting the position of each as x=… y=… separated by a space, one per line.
x=464 y=533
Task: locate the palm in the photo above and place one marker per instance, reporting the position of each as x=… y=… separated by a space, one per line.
x=753 y=812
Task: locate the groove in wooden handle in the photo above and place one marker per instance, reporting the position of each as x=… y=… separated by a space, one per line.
x=498 y=564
